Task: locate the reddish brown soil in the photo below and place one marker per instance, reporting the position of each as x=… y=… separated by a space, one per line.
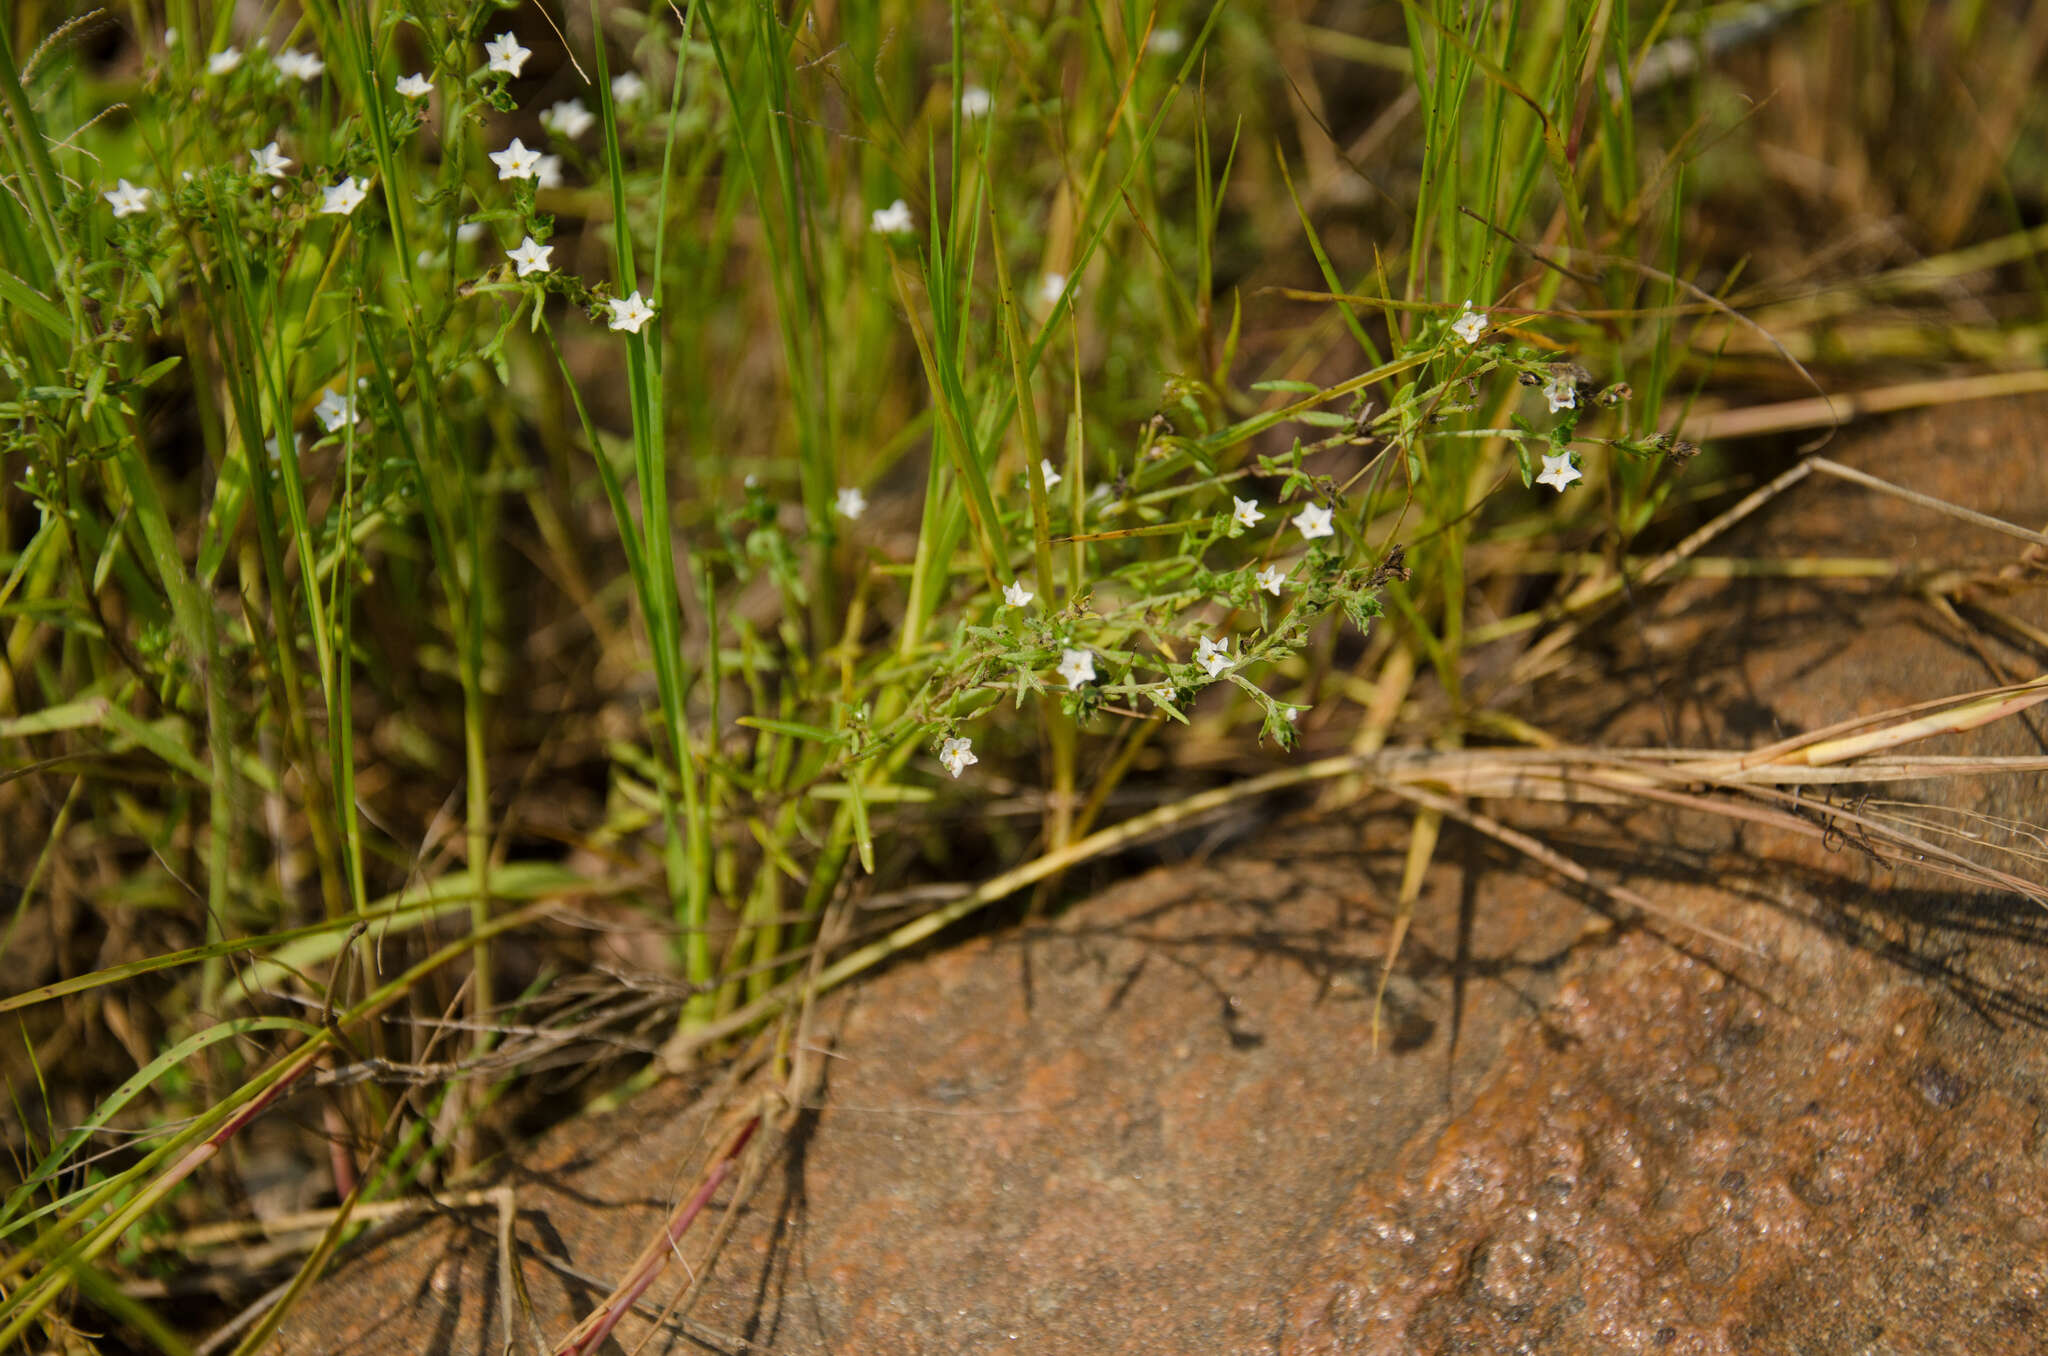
x=1157 y=1124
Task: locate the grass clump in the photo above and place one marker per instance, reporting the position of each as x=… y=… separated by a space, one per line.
x=476 y=472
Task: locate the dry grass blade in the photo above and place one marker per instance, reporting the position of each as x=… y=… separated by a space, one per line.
x=1889 y=729
x=520 y=1319
x=1538 y=851
x=1885 y=842
x=1796 y=416
x=1422 y=838
x=302 y=1222
x=1985 y=520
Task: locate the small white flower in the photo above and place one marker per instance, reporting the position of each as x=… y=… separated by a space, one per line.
x=516 y=161
x=1314 y=521
x=1245 y=512
x=268 y=162
x=128 y=199
x=1293 y=713
x=1561 y=391
x=547 y=171
x=1558 y=472
x=956 y=754
x=335 y=410
x=469 y=232
x=300 y=65
x=531 y=256
x=569 y=118
x=345 y=197
x=506 y=54
x=1050 y=288
x=1015 y=594
x=414 y=86
x=1077 y=667
x=1165 y=41
x=627 y=87
x=895 y=219
x=851 y=503
x=1213 y=658
x=975 y=102
x=276 y=455
x=224 y=61
x=170 y=37
x=1271 y=578
x=1051 y=474
x=1469 y=325
x=629 y=315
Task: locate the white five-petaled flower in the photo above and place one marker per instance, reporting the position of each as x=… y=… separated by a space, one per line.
x=1245 y=512
x=1050 y=288
x=224 y=61
x=531 y=256
x=956 y=754
x=1015 y=594
x=506 y=54
x=1213 y=658
x=1558 y=471
x=345 y=197
x=516 y=161
x=975 y=102
x=895 y=219
x=1314 y=521
x=1271 y=578
x=1561 y=391
x=1077 y=667
x=414 y=86
x=547 y=171
x=300 y=65
x=128 y=199
x=268 y=162
x=569 y=118
x=627 y=87
x=335 y=410
x=851 y=502
x=629 y=315
x=1050 y=472
x=1469 y=325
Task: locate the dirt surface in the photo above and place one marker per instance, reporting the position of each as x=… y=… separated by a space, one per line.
x=1157 y=1123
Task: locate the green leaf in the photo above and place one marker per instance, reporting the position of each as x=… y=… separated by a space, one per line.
x=33 y=304
x=790 y=728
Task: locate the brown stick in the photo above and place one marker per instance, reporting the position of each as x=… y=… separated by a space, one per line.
x=590 y=1334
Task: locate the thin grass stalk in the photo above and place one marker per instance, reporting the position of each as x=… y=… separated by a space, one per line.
x=687 y=850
